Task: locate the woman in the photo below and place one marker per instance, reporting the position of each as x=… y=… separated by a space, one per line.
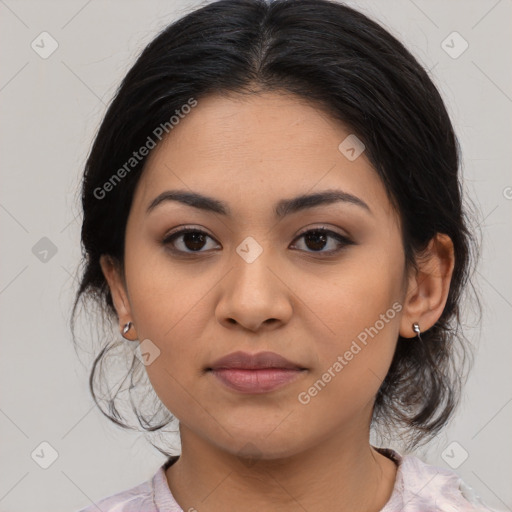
x=273 y=216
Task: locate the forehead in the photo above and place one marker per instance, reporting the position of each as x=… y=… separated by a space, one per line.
x=257 y=149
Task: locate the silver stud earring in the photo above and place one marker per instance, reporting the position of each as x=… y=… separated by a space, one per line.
x=127 y=327
x=416 y=329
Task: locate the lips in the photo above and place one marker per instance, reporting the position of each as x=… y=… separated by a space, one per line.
x=255 y=373
x=261 y=360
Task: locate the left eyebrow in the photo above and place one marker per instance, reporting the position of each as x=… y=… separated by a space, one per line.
x=289 y=206
x=282 y=208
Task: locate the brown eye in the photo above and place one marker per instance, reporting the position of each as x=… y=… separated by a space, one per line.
x=318 y=239
x=188 y=240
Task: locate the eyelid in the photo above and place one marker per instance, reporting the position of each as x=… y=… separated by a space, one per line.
x=191 y=227
x=326 y=229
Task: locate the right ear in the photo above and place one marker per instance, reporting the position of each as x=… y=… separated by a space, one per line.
x=113 y=275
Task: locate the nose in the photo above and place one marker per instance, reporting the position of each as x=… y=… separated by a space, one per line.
x=254 y=295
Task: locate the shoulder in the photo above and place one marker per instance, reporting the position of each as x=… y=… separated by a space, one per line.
x=420 y=486
x=135 y=499
x=152 y=495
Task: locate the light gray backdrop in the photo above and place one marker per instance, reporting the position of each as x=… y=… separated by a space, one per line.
x=51 y=106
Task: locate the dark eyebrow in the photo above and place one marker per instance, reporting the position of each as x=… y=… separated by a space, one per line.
x=282 y=208
x=289 y=206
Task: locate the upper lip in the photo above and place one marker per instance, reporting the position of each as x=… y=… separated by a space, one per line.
x=243 y=360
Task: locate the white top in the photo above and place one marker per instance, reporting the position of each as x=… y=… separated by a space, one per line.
x=419 y=487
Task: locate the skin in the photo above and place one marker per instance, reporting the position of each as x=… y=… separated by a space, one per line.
x=269 y=451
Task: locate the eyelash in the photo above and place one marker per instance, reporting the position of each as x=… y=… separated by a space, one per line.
x=345 y=241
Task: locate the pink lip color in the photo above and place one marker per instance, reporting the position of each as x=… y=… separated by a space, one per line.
x=255 y=373
x=255 y=380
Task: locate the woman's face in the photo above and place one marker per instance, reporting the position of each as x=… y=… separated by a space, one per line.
x=253 y=282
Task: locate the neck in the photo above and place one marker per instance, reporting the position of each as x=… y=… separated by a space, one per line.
x=351 y=475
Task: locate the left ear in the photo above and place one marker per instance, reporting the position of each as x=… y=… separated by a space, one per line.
x=428 y=288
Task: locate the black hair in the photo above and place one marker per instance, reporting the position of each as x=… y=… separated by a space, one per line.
x=356 y=71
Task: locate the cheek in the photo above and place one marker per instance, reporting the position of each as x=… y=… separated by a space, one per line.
x=175 y=329
x=167 y=310
x=358 y=311
x=352 y=362
x=355 y=295
x=160 y=293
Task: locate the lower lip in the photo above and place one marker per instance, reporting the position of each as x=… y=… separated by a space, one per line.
x=256 y=381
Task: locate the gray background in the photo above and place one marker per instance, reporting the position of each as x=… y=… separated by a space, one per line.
x=51 y=109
